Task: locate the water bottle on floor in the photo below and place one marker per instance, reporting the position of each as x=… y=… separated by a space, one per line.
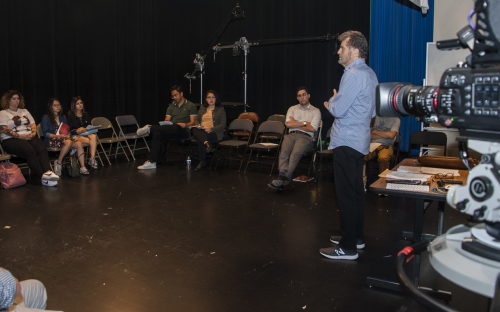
x=188 y=163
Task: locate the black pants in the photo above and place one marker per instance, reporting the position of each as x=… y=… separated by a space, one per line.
x=164 y=133
x=34 y=151
x=201 y=137
x=348 y=173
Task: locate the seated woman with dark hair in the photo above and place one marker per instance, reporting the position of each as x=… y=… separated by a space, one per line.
x=211 y=121
x=78 y=120
x=50 y=124
x=18 y=132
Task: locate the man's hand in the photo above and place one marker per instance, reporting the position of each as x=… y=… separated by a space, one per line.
x=334 y=93
x=326 y=105
x=208 y=130
x=292 y=119
x=181 y=124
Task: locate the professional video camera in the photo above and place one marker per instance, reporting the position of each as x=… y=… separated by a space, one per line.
x=467 y=98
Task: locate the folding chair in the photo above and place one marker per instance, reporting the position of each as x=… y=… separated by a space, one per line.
x=328 y=153
x=3 y=156
x=104 y=124
x=7 y=157
x=236 y=125
x=316 y=147
x=271 y=128
x=274 y=136
x=129 y=120
x=250 y=116
x=427 y=138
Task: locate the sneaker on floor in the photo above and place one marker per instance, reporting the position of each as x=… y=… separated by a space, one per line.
x=276 y=184
x=283 y=177
x=93 y=163
x=360 y=243
x=144 y=130
x=57 y=168
x=50 y=176
x=49 y=183
x=148 y=165
x=84 y=171
x=336 y=252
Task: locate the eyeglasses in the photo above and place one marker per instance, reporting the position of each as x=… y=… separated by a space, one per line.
x=78 y=103
x=57 y=105
x=175 y=95
x=302 y=95
x=211 y=97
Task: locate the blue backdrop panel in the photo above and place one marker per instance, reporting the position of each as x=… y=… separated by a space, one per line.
x=398 y=37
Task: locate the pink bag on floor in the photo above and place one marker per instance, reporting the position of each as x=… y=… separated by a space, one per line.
x=10 y=175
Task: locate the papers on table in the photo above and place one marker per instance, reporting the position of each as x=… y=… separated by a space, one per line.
x=408 y=176
x=427 y=170
x=164 y=123
x=373 y=146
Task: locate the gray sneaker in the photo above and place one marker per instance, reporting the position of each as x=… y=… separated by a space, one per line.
x=57 y=168
x=335 y=252
x=147 y=165
x=144 y=130
x=276 y=184
x=360 y=243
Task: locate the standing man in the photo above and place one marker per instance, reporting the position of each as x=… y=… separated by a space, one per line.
x=182 y=114
x=353 y=107
x=303 y=120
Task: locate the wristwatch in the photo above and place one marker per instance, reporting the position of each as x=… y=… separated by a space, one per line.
x=305 y=124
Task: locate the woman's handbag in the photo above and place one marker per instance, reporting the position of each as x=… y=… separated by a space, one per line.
x=10 y=175
x=73 y=167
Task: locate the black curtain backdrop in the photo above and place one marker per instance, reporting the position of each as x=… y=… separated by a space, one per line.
x=122 y=56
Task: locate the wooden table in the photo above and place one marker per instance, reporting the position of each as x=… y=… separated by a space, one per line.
x=421 y=201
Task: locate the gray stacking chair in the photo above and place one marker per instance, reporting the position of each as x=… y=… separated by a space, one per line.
x=104 y=124
x=129 y=120
x=273 y=129
x=236 y=125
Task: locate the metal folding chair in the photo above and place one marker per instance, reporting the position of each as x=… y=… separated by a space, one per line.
x=104 y=124
x=236 y=125
x=275 y=129
x=129 y=120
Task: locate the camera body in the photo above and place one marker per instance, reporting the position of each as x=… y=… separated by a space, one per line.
x=466 y=98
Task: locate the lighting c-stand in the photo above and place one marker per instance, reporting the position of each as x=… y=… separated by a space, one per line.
x=199 y=60
x=244 y=44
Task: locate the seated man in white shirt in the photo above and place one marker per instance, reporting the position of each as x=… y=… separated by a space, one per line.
x=303 y=120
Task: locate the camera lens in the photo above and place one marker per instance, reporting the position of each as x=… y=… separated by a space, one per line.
x=395 y=99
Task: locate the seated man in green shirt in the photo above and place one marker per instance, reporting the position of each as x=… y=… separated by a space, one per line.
x=182 y=114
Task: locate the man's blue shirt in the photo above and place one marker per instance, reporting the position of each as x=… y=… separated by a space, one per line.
x=353 y=107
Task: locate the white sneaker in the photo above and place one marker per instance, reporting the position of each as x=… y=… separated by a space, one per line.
x=50 y=176
x=57 y=168
x=144 y=130
x=49 y=183
x=84 y=171
x=148 y=165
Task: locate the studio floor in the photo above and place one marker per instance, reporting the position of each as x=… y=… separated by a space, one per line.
x=172 y=240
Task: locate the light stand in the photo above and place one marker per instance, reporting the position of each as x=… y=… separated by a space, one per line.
x=199 y=60
x=244 y=45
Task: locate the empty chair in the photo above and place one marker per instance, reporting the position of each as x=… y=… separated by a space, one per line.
x=103 y=124
x=267 y=128
x=129 y=120
x=236 y=125
x=274 y=136
x=249 y=116
x=426 y=138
